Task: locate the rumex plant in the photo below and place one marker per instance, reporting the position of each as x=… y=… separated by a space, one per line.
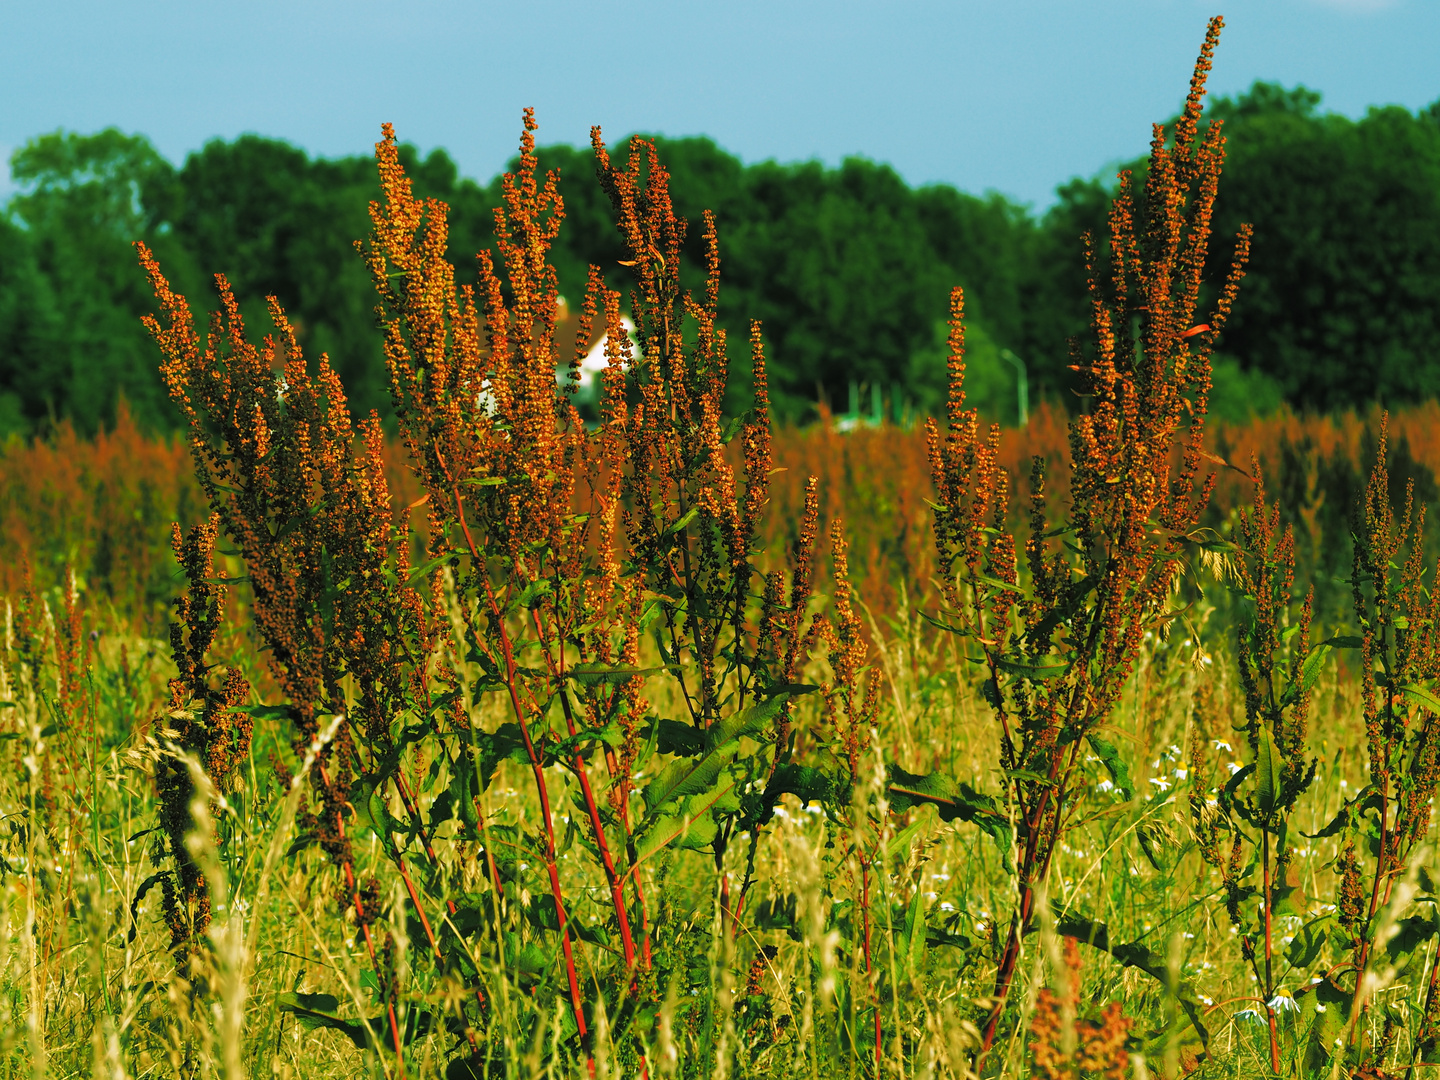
x=567 y=567
x=275 y=452
x=1384 y=824
x=1056 y=639
x=1278 y=669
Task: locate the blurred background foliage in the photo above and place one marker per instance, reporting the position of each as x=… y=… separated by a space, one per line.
x=848 y=268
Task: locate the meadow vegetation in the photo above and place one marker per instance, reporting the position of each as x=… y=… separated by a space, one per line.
x=657 y=739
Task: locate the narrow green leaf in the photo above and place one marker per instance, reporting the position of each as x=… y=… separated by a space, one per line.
x=1036 y=671
x=682 y=522
x=996 y=583
x=608 y=675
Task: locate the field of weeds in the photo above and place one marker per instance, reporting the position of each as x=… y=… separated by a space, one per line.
x=511 y=741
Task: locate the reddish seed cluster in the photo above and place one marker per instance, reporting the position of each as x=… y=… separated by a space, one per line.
x=1098 y=1045
x=202 y=716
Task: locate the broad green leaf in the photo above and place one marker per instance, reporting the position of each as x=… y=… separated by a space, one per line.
x=530 y=595
x=1305 y=948
x=953 y=800
x=319 y=1011
x=1422 y=697
x=693 y=824
x=685 y=777
x=1310 y=669
x=679 y=738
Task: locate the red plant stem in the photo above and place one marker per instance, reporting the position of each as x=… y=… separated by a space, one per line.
x=419 y=910
x=537 y=767
x=1021 y=918
x=634 y=874
x=617 y=885
x=353 y=885
x=1269 y=959
x=413 y=810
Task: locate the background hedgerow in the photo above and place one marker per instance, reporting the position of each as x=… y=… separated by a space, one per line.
x=527 y=740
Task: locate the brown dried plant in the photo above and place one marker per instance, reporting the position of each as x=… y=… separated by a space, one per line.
x=1056 y=647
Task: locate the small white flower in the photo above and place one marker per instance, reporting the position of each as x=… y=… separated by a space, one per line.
x=1221 y=744
x=1319 y=1007
x=1283 y=1002
x=1105 y=785
x=979 y=927
x=1248 y=1014
x=931 y=895
x=945 y=905
x=1235 y=767
x=1181 y=774
x=1160 y=782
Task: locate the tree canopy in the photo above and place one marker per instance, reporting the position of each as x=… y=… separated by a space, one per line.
x=848 y=268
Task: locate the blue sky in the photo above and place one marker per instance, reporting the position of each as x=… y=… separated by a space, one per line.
x=1016 y=96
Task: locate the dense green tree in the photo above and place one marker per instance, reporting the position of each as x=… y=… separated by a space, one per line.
x=848 y=268
x=1342 y=301
x=274 y=221
x=69 y=296
x=30 y=335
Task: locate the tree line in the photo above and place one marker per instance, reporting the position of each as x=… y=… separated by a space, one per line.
x=848 y=268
